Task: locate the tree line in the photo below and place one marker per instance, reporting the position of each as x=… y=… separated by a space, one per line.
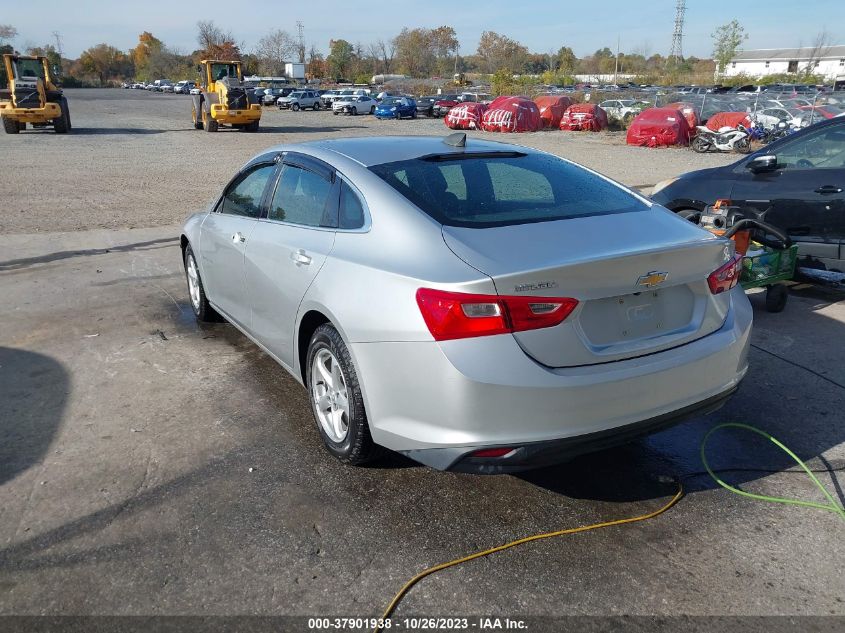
x=417 y=52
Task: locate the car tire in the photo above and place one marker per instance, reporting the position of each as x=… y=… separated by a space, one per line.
x=334 y=112
x=414 y=114
x=337 y=402
x=196 y=291
x=10 y=126
x=372 y=109
x=252 y=127
x=354 y=111
x=316 y=106
x=776 y=297
x=294 y=107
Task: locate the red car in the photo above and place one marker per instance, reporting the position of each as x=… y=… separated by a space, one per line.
x=445 y=103
x=825 y=111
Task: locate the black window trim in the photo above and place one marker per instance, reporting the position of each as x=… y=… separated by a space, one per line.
x=246 y=170
x=315 y=166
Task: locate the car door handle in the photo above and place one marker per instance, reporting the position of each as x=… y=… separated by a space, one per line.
x=238 y=237
x=300 y=257
x=827 y=189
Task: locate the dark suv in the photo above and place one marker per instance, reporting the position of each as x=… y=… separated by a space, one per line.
x=799 y=181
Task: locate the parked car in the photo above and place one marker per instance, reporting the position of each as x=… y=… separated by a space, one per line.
x=299 y=100
x=432 y=304
x=799 y=180
x=823 y=111
x=622 y=109
x=328 y=96
x=168 y=87
x=425 y=105
x=270 y=96
x=183 y=87
x=445 y=103
x=396 y=108
x=771 y=117
x=355 y=104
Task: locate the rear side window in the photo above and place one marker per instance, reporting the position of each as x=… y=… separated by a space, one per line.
x=351 y=208
x=501 y=189
x=302 y=197
x=243 y=197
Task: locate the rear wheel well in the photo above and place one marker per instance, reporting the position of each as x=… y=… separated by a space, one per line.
x=183 y=244
x=310 y=322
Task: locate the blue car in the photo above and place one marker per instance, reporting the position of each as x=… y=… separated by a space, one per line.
x=396 y=108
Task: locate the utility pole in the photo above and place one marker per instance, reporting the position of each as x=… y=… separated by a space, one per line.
x=677 y=51
x=58 y=37
x=616 y=69
x=299 y=27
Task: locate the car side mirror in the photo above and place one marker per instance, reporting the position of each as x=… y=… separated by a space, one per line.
x=762 y=164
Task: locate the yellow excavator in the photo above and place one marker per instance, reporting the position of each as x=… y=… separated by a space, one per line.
x=223 y=99
x=32 y=96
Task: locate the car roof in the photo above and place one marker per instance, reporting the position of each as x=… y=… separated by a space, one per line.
x=370 y=151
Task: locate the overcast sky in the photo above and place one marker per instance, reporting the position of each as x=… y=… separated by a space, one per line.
x=642 y=25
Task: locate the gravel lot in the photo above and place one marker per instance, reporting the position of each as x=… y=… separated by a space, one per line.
x=134 y=160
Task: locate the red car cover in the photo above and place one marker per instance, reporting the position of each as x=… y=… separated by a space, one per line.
x=687 y=109
x=511 y=114
x=552 y=109
x=584 y=116
x=659 y=126
x=465 y=116
x=728 y=119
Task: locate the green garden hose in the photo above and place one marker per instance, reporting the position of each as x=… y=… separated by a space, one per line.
x=831 y=506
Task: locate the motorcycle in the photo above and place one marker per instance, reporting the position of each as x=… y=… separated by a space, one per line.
x=727 y=139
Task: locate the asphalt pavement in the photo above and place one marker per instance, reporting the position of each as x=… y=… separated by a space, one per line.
x=153 y=466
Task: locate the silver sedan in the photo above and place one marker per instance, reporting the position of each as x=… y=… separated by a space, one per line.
x=476 y=306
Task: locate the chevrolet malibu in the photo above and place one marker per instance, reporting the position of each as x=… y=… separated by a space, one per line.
x=473 y=305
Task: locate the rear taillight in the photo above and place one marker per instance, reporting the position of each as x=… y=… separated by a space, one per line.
x=452 y=315
x=492 y=453
x=726 y=276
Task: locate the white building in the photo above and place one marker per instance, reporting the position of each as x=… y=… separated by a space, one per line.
x=828 y=61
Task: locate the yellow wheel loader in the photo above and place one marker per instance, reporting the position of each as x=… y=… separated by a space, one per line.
x=223 y=99
x=32 y=96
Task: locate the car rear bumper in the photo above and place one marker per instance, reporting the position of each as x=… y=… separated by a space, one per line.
x=439 y=402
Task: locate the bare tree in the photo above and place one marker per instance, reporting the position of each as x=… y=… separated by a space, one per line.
x=387 y=51
x=820 y=48
x=273 y=50
x=7 y=33
x=210 y=36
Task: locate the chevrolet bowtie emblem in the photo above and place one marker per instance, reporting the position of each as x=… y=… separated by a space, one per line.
x=652 y=279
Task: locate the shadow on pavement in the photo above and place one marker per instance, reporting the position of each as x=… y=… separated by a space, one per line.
x=33 y=392
x=120 y=131
x=14 y=264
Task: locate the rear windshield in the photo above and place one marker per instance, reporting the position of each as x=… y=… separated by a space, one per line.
x=489 y=190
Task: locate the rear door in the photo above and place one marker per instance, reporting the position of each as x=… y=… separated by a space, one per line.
x=289 y=247
x=806 y=194
x=224 y=235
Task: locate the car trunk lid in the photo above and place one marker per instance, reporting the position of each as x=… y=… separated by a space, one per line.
x=640 y=279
